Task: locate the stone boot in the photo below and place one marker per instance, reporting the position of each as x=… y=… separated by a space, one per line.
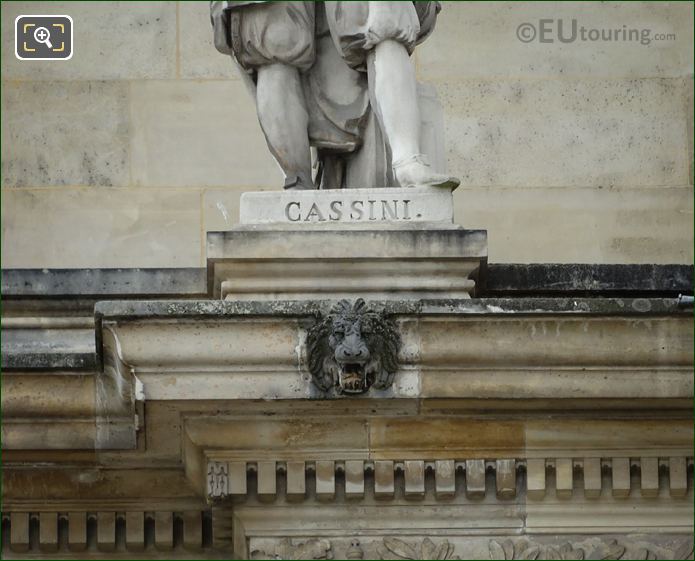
x=415 y=171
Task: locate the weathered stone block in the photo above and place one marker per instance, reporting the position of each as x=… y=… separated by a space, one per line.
x=197 y=55
x=445 y=479
x=237 y=478
x=106 y=531
x=164 y=531
x=19 y=531
x=192 y=530
x=414 y=479
x=535 y=478
x=65 y=133
x=73 y=228
x=442 y=438
x=280 y=435
x=483 y=36
x=505 y=479
x=30 y=348
x=325 y=480
x=267 y=480
x=592 y=478
x=620 y=470
x=678 y=477
x=649 y=477
x=197 y=134
x=296 y=481
x=475 y=479
x=552 y=133
x=354 y=479
x=582 y=225
x=690 y=120
x=101 y=283
x=564 y=478
x=383 y=479
x=135 y=530
x=112 y=42
x=31 y=395
x=77 y=531
x=48 y=532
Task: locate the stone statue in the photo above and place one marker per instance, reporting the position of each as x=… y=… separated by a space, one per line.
x=318 y=70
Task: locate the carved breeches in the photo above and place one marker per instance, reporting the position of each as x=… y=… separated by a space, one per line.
x=356 y=27
x=285 y=32
x=274 y=32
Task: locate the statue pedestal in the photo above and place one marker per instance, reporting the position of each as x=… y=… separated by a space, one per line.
x=382 y=243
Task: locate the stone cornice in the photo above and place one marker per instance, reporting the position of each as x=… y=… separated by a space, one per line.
x=153 y=309
x=512 y=349
x=591 y=478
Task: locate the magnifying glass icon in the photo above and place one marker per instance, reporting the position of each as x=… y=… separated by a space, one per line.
x=42 y=35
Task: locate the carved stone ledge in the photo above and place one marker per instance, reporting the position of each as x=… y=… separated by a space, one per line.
x=553 y=350
x=103 y=532
x=590 y=478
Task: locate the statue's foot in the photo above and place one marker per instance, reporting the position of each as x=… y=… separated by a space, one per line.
x=416 y=171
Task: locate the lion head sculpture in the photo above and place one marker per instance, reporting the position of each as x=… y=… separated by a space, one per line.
x=353 y=349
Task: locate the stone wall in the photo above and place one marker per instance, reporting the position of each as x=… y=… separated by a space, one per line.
x=568 y=152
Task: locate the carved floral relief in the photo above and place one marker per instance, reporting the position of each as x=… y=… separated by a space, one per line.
x=436 y=548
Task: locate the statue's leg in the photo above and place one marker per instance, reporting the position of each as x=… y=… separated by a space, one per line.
x=392 y=81
x=392 y=78
x=274 y=42
x=284 y=120
x=384 y=33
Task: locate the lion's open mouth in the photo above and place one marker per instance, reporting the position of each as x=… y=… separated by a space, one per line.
x=352 y=377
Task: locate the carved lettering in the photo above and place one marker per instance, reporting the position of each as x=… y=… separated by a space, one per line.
x=406 y=211
x=287 y=212
x=314 y=212
x=371 y=210
x=386 y=209
x=336 y=210
x=357 y=209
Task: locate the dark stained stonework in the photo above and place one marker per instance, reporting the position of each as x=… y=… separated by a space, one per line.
x=556 y=279
x=55 y=283
x=31 y=348
x=512 y=279
x=48 y=361
x=114 y=310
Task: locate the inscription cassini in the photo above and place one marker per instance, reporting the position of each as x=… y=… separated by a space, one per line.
x=351 y=211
